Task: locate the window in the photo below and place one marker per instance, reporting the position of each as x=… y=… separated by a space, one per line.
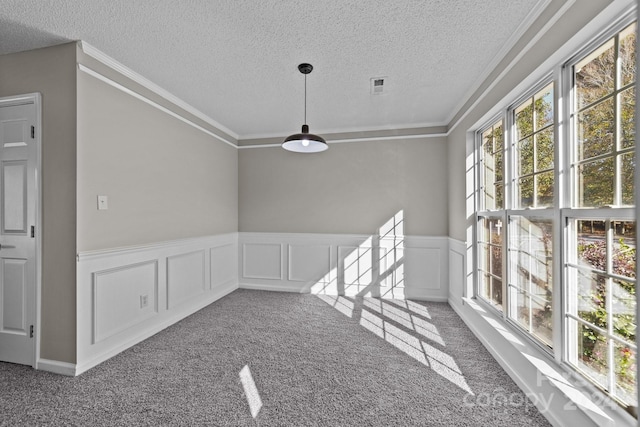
x=530 y=247
x=601 y=312
x=601 y=254
x=493 y=167
x=537 y=245
x=534 y=150
x=490 y=226
x=604 y=120
x=529 y=148
x=531 y=281
x=490 y=266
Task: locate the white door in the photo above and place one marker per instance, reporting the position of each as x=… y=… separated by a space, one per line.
x=18 y=151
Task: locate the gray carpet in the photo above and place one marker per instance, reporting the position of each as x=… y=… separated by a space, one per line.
x=290 y=360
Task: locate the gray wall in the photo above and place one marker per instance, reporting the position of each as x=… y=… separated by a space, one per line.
x=52 y=72
x=352 y=188
x=164 y=179
x=460 y=152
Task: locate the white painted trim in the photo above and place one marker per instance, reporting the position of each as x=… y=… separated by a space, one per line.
x=525 y=24
x=62 y=368
x=280 y=247
x=129 y=73
x=184 y=311
x=559 y=397
x=421 y=257
x=290 y=259
x=38 y=224
x=537 y=10
x=35 y=99
x=352 y=129
x=323 y=237
x=366 y=139
x=125 y=321
x=148 y=101
x=10 y=101
x=563 y=53
x=457 y=248
x=124 y=250
x=95 y=276
x=271 y=288
x=513 y=63
x=139 y=79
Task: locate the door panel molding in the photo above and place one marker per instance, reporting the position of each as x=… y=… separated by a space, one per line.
x=20 y=209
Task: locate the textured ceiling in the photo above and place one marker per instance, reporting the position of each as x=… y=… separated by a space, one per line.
x=236 y=60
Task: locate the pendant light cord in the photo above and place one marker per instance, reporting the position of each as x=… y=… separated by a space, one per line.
x=305 y=99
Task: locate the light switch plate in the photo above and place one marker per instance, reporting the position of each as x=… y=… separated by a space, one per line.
x=103 y=203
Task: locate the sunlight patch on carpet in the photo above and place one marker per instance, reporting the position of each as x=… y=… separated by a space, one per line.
x=342 y=304
x=250 y=391
x=440 y=362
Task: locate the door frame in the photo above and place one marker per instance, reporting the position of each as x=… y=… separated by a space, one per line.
x=35 y=99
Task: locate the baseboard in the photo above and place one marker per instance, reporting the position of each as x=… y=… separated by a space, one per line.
x=184 y=311
x=273 y=288
x=427 y=298
x=561 y=399
x=56 y=367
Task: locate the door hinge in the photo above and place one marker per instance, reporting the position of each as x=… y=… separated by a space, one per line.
x=33 y=132
x=33 y=231
x=31 y=332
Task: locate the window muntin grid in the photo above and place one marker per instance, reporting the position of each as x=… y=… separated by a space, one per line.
x=596 y=172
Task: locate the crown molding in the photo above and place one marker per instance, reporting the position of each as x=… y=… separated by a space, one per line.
x=148 y=84
x=603 y=20
x=152 y=103
x=398 y=127
x=358 y=139
x=502 y=53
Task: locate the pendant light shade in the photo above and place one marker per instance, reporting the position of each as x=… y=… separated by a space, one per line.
x=305 y=142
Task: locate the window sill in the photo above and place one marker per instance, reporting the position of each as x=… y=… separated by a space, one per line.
x=563 y=398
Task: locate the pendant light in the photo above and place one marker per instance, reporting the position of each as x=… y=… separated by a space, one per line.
x=305 y=142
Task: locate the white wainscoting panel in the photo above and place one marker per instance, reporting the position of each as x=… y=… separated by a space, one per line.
x=426 y=268
x=224 y=265
x=118 y=298
x=308 y=262
x=356 y=265
x=338 y=264
x=178 y=278
x=457 y=269
x=264 y=261
x=185 y=277
x=424 y=271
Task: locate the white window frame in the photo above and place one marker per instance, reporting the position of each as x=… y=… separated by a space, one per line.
x=570 y=210
x=562 y=212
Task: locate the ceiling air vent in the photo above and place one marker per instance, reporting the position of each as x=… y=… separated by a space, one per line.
x=377 y=85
